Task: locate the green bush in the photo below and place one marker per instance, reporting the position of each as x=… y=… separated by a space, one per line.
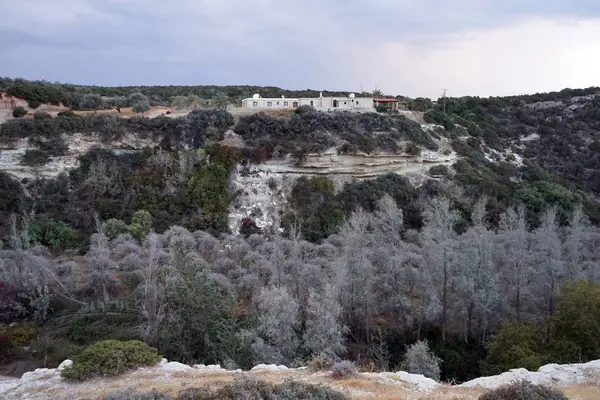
x=53 y=234
x=20 y=335
x=19 y=112
x=251 y=388
x=42 y=115
x=114 y=227
x=523 y=390
x=576 y=335
x=35 y=157
x=439 y=170
x=110 y=358
x=516 y=345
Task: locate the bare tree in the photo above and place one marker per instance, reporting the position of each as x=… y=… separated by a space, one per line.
x=153 y=303
x=512 y=256
x=439 y=241
x=324 y=332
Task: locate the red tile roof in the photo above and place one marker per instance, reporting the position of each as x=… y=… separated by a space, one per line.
x=385 y=100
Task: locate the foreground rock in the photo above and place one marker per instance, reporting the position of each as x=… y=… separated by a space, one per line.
x=551 y=374
x=171 y=377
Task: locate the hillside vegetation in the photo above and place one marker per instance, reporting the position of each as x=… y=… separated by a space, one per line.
x=490 y=261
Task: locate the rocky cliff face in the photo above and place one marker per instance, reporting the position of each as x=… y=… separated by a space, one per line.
x=261 y=190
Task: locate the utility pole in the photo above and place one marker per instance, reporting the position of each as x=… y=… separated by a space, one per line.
x=444 y=100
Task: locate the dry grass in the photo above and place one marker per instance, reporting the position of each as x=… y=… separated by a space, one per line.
x=359 y=388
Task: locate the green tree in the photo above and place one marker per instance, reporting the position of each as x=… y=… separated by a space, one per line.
x=576 y=323
x=19 y=112
x=141 y=106
x=114 y=227
x=195 y=306
x=221 y=100
x=141 y=224
x=516 y=345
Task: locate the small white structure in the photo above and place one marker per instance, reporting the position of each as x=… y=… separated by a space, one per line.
x=319 y=103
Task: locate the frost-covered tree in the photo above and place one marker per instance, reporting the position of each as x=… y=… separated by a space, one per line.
x=102 y=279
x=439 y=242
x=419 y=359
x=324 y=333
x=513 y=260
x=275 y=339
x=550 y=269
x=153 y=299
x=476 y=280
x=356 y=274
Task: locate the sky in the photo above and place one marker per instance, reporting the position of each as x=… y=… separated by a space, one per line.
x=407 y=47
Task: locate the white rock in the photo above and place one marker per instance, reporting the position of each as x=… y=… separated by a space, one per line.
x=420 y=382
x=38 y=374
x=175 y=366
x=209 y=368
x=65 y=364
x=269 y=367
x=550 y=374
x=163 y=361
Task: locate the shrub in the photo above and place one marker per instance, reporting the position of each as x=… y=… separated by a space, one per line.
x=66 y=113
x=420 y=360
x=114 y=227
x=35 y=157
x=42 y=115
x=516 y=345
x=141 y=106
x=252 y=388
x=320 y=363
x=131 y=394
x=110 y=358
x=523 y=390
x=34 y=103
x=19 y=112
x=20 y=335
x=53 y=234
x=438 y=170
x=344 y=370
x=575 y=323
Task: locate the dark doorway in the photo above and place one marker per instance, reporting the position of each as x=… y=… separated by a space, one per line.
x=335 y=103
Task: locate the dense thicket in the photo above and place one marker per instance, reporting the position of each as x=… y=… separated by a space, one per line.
x=557 y=132
x=363 y=293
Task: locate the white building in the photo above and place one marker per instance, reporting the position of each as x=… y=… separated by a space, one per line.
x=319 y=103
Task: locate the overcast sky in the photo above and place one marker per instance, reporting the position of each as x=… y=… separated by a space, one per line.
x=408 y=47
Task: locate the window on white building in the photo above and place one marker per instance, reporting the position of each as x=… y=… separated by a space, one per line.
x=255 y=104
x=311 y=103
x=277 y=103
x=269 y=103
x=285 y=103
x=356 y=101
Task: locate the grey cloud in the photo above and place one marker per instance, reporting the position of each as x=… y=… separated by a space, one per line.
x=292 y=43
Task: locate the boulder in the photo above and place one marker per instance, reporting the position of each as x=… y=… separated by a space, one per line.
x=269 y=367
x=65 y=364
x=175 y=366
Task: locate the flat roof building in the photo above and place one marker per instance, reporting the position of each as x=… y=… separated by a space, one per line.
x=319 y=103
